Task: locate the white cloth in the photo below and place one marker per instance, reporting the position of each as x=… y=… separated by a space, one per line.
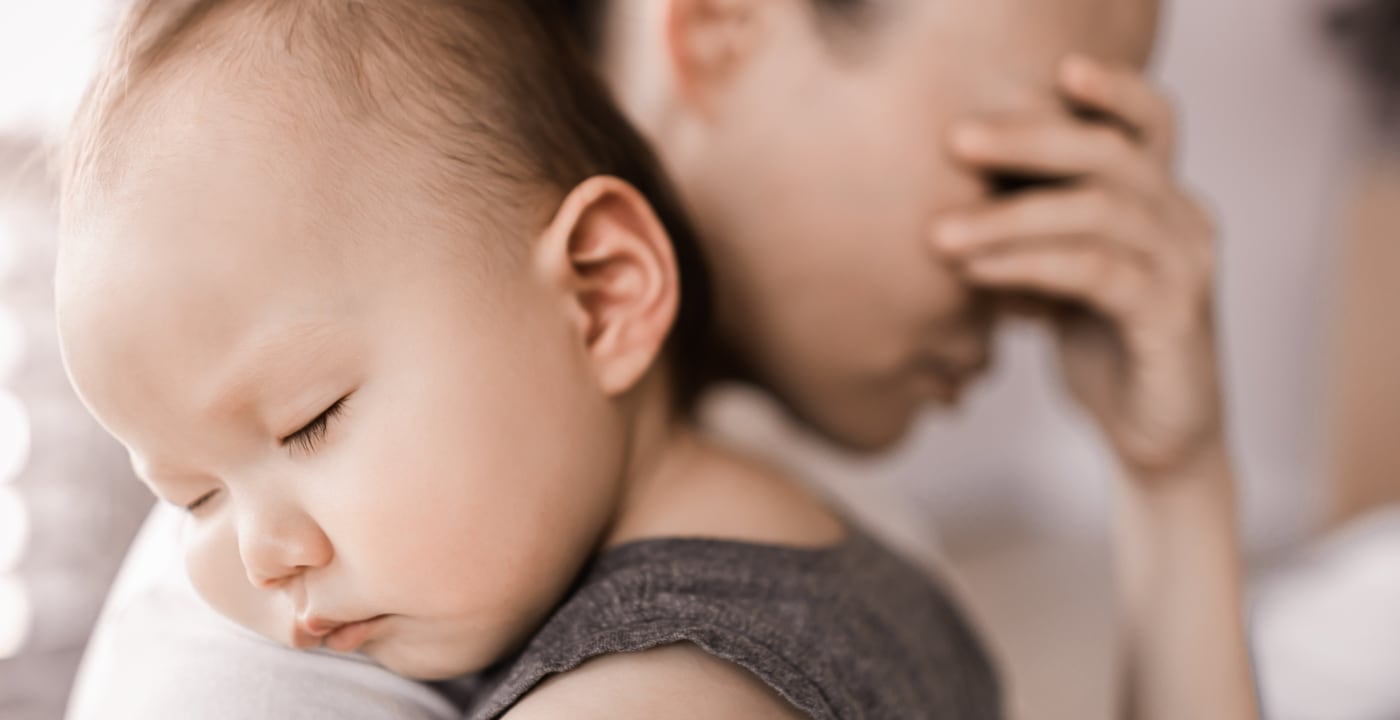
x=1327 y=627
x=160 y=652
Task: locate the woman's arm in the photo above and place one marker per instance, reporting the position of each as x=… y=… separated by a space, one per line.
x=1366 y=388
x=1126 y=257
x=1181 y=589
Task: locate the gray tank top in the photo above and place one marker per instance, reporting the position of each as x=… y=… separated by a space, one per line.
x=850 y=631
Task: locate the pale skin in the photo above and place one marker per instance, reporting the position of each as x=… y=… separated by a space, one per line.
x=754 y=109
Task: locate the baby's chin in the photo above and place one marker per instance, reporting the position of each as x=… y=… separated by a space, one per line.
x=423 y=663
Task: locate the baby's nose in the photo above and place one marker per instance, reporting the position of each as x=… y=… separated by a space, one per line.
x=278 y=547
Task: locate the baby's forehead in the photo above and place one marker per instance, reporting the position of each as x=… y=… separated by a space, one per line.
x=235 y=226
x=321 y=82
x=210 y=165
x=219 y=203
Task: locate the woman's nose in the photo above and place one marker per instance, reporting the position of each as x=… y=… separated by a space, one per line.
x=279 y=543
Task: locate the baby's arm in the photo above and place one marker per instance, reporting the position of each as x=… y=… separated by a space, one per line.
x=160 y=652
x=1130 y=256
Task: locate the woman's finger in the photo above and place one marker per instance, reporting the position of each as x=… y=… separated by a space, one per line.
x=1055 y=147
x=1091 y=273
x=1125 y=97
x=1075 y=211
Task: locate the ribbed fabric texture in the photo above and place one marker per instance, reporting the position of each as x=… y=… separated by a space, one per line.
x=851 y=631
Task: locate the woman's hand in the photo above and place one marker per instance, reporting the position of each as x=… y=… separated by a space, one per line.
x=1127 y=253
x=1121 y=259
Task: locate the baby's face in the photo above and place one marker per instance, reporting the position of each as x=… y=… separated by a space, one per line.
x=379 y=416
x=818 y=170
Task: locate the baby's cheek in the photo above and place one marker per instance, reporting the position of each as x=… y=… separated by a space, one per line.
x=216 y=570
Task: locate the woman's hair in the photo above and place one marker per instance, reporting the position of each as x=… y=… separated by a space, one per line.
x=507 y=102
x=1370 y=30
x=585 y=18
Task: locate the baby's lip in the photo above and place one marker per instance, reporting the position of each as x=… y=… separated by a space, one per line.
x=308 y=631
x=317 y=626
x=311 y=626
x=302 y=640
x=312 y=631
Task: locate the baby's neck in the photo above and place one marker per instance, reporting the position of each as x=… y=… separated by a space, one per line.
x=681 y=484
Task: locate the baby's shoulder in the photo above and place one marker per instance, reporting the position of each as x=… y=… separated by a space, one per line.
x=673 y=681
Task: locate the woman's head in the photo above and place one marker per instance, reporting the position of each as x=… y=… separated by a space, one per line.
x=806 y=137
x=345 y=279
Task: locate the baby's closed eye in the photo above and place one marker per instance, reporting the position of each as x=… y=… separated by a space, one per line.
x=311 y=434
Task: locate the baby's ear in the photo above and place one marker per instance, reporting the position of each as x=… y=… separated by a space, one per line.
x=610 y=256
x=709 y=41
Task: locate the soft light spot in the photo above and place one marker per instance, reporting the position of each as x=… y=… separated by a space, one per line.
x=11 y=344
x=14 y=529
x=52 y=47
x=14 y=436
x=9 y=251
x=16 y=616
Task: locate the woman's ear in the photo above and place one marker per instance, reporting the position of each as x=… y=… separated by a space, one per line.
x=610 y=256
x=709 y=41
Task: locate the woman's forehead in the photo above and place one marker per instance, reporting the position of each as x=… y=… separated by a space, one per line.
x=1002 y=55
x=1122 y=31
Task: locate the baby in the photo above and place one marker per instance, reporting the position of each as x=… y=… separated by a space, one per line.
x=383 y=295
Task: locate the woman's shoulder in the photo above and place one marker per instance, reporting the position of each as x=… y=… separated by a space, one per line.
x=734 y=581
x=673 y=681
x=728 y=495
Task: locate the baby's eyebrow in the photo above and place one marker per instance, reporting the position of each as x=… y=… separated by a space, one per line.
x=293 y=346
x=152 y=472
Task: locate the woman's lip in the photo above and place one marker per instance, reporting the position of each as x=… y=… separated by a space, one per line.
x=939 y=382
x=350 y=636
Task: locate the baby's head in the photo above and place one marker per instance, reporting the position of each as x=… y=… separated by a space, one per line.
x=808 y=140
x=358 y=283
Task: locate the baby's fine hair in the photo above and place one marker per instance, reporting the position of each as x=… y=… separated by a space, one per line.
x=504 y=98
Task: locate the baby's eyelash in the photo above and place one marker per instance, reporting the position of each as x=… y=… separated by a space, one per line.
x=314 y=431
x=202 y=499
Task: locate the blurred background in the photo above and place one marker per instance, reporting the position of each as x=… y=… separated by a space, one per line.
x=1283 y=135
x=68 y=505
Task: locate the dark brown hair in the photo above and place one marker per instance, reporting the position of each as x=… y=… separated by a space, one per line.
x=508 y=102
x=1370 y=30
x=586 y=17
